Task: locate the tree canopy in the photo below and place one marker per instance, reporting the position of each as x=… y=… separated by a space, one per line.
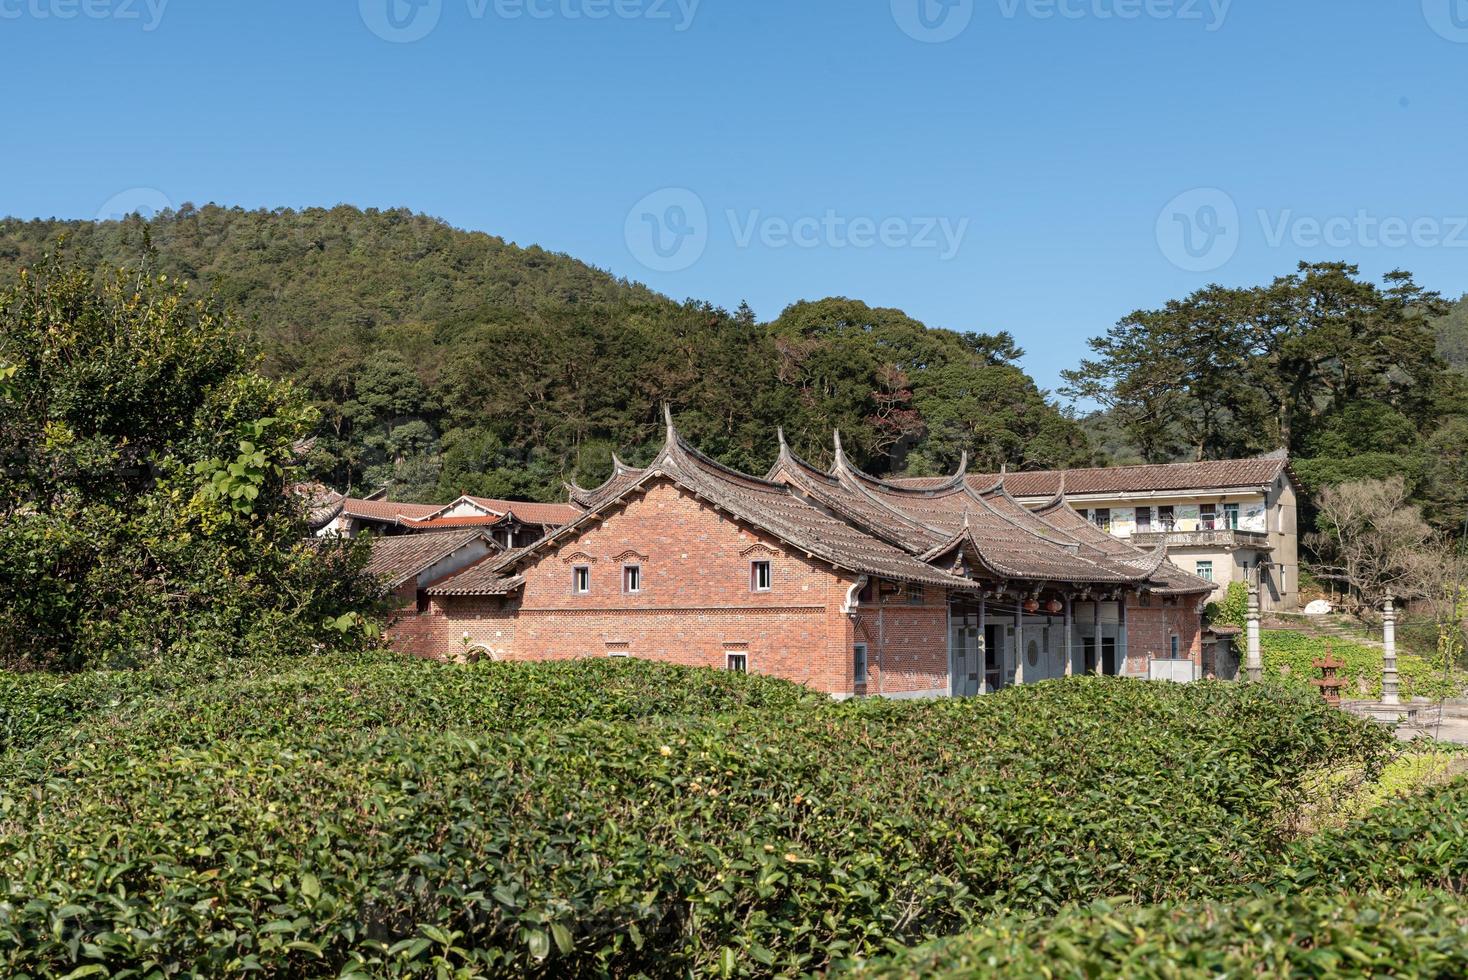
x=1342 y=372
x=144 y=466
x=444 y=362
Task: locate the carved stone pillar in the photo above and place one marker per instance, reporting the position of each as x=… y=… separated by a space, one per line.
x=1255 y=662
x=1390 y=690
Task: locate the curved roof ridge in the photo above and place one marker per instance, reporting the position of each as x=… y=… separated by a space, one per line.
x=790 y=461
x=678 y=448
x=1003 y=491
x=851 y=479
x=936 y=490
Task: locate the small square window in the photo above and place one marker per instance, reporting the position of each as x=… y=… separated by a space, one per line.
x=1208 y=517
x=631 y=579
x=737 y=662
x=761 y=576
x=1144 y=519
x=914 y=595
x=1101 y=517
x=1167 y=518
x=1205 y=570
x=581 y=579
x=1231 y=516
x=859 y=663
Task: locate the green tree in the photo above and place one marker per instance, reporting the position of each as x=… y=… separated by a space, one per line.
x=1231 y=372
x=144 y=509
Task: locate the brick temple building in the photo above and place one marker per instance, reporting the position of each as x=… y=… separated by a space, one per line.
x=835 y=579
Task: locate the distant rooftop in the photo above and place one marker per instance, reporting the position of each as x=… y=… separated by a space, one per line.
x=1260 y=471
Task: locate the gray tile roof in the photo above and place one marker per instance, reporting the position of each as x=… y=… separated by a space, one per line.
x=398 y=558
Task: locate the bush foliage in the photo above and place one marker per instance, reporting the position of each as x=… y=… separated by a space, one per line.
x=143 y=473
x=394 y=818
x=1418 y=934
x=1289 y=656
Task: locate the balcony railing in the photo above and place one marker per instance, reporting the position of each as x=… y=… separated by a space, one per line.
x=1218 y=538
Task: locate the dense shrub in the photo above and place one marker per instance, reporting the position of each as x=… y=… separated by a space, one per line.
x=1418 y=934
x=1288 y=657
x=144 y=467
x=290 y=700
x=1421 y=841
x=780 y=838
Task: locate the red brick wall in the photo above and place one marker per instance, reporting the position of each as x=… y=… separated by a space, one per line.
x=907 y=644
x=695 y=607
x=1151 y=627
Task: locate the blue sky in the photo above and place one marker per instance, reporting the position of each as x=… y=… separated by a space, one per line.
x=1040 y=166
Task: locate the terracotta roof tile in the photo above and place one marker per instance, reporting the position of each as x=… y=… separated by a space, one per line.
x=529 y=512
x=387 y=511
x=398 y=558
x=479 y=580
x=1209 y=475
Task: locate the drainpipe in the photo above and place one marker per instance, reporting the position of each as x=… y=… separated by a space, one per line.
x=1390 y=693
x=1255 y=662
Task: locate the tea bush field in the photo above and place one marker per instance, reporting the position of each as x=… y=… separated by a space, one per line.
x=368 y=816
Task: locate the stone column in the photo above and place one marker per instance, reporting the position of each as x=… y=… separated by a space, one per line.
x=1096 y=635
x=1122 y=665
x=1070 y=657
x=1255 y=662
x=1019 y=642
x=984 y=643
x=1390 y=693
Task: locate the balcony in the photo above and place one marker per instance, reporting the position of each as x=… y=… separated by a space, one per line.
x=1223 y=539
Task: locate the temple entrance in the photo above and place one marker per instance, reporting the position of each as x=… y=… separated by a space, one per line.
x=965 y=655
x=994 y=659
x=1108 y=656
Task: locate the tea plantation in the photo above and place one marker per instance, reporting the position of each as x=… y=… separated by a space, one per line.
x=369 y=816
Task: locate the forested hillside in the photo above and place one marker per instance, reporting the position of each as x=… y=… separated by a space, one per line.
x=446 y=361
x=1452 y=336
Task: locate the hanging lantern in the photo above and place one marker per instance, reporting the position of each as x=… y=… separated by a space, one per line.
x=1032 y=605
x=1053 y=606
